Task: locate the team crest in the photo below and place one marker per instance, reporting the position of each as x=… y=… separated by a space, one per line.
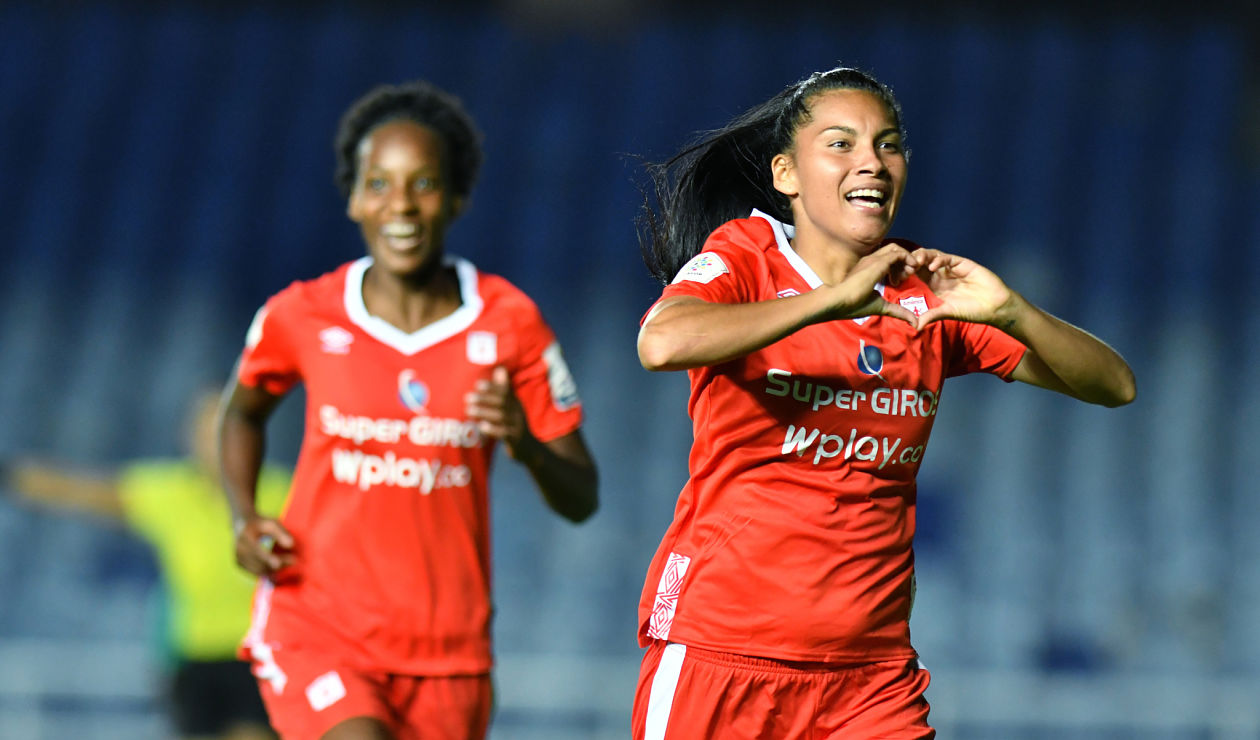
x=413 y=393
x=335 y=341
x=915 y=304
x=702 y=268
x=483 y=347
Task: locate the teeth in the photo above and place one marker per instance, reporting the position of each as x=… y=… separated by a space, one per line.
x=866 y=193
x=399 y=230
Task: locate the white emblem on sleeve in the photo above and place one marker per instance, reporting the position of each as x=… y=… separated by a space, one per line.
x=702 y=268
x=483 y=347
x=256 y=328
x=563 y=387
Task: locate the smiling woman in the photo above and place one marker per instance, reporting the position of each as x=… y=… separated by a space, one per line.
x=778 y=602
x=373 y=615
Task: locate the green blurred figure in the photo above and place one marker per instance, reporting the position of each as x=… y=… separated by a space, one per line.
x=177 y=506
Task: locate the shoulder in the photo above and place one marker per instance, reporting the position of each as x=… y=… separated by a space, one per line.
x=303 y=298
x=753 y=236
x=154 y=475
x=735 y=246
x=500 y=295
x=157 y=467
x=329 y=286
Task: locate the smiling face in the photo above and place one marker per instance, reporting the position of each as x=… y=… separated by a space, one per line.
x=400 y=199
x=846 y=172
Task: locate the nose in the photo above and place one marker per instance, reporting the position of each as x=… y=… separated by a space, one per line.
x=869 y=160
x=402 y=200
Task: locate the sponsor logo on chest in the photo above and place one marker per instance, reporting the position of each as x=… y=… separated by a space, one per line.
x=915 y=407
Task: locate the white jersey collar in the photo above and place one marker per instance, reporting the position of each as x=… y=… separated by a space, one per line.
x=783 y=233
x=409 y=344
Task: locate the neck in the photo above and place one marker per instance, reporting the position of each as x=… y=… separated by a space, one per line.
x=413 y=301
x=830 y=259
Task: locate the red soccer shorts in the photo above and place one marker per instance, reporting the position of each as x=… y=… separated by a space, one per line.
x=307 y=693
x=686 y=693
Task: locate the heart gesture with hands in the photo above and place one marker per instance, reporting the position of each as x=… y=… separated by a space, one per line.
x=855 y=296
x=967 y=290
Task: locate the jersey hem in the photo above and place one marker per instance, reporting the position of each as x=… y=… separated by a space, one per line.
x=775 y=653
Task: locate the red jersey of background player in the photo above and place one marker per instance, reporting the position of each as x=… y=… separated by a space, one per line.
x=389 y=495
x=792 y=537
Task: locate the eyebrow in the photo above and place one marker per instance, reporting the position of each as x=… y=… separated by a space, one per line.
x=426 y=170
x=853 y=132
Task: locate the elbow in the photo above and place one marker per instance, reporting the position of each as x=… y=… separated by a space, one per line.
x=1121 y=393
x=584 y=507
x=585 y=511
x=655 y=353
x=1126 y=393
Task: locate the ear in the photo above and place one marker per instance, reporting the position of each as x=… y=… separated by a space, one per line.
x=783 y=174
x=457 y=205
x=353 y=205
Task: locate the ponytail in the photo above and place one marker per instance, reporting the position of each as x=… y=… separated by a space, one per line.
x=725 y=173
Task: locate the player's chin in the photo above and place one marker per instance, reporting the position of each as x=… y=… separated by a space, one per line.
x=415 y=268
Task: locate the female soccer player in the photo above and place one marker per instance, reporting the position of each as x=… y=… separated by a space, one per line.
x=778 y=603
x=373 y=618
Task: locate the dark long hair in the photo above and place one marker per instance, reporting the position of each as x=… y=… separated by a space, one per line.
x=725 y=173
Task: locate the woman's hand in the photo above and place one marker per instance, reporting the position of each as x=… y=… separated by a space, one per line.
x=855 y=296
x=496 y=410
x=263 y=546
x=1060 y=356
x=562 y=468
x=967 y=290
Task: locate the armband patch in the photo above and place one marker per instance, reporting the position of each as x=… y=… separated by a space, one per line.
x=563 y=387
x=702 y=268
x=254 y=334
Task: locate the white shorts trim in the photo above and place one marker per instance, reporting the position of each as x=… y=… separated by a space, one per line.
x=664 y=684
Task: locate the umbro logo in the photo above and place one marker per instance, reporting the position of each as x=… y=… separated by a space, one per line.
x=335 y=341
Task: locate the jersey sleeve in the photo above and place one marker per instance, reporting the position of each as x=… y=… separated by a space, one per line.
x=269 y=360
x=980 y=348
x=541 y=379
x=725 y=271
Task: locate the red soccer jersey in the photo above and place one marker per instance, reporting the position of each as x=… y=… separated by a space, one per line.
x=389 y=505
x=792 y=537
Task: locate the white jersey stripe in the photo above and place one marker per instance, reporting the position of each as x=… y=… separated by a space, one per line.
x=261 y=611
x=664 y=684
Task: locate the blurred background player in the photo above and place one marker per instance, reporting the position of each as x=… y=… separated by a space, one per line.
x=177 y=506
x=374 y=617
x=778 y=602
